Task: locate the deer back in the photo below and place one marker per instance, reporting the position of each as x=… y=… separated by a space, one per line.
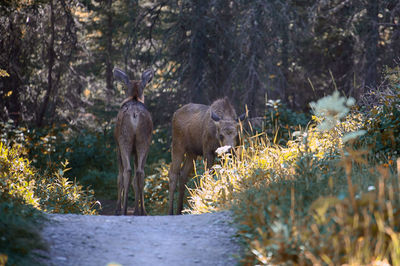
x=134 y=123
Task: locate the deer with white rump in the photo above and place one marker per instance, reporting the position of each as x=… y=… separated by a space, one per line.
x=132 y=134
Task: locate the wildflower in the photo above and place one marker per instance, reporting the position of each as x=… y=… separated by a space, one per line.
x=222 y=150
x=332 y=108
x=274 y=104
x=353 y=135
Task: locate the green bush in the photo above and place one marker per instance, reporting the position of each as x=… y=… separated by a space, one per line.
x=289 y=221
x=49 y=191
x=382 y=113
x=279 y=122
x=19 y=232
x=17 y=177
x=156 y=189
x=24 y=193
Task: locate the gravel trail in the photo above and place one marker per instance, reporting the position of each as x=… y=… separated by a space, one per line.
x=206 y=239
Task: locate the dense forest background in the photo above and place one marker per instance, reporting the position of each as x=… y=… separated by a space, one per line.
x=60 y=101
x=297 y=174
x=60 y=54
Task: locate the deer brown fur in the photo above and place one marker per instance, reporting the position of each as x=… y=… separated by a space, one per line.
x=132 y=134
x=198 y=130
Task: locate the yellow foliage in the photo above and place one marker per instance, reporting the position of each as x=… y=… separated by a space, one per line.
x=3 y=73
x=3 y=259
x=86 y=93
x=17 y=177
x=257 y=161
x=50 y=192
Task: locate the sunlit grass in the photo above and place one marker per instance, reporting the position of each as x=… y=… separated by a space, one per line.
x=317 y=200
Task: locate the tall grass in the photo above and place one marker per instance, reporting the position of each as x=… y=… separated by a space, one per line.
x=320 y=199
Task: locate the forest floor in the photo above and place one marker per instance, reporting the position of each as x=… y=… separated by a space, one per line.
x=206 y=239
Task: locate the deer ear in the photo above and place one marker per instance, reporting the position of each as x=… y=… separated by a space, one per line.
x=241 y=117
x=147 y=76
x=215 y=117
x=121 y=76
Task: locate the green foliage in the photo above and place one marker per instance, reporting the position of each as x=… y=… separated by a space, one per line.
x=49 y=191
x=288 y=222
x=280 y=121
x=92 y=160
x=383 y=117
x=317 y=200
x=19 y=232
x=23 y=192
x=156 y=189
x=60 y=195
x=17 y=177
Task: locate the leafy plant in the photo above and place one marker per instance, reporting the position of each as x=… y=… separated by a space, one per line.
x=19 y=232
x=383 y=117
x=317 y=200
x=24 y=193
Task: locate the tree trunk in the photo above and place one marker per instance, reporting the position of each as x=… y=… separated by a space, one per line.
x=13 y=82
x=372 y=44
x=50 y=67
x=198 y=52
x=285 y=94
x=109 y=36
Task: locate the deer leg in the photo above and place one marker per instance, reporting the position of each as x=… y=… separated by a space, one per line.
x=140 y=196
x=135 y=186
x=120 y=183
x=184 y=177
x=176 y=160
x=142 y=184
x=126 y=177
x=209 y=159
x=139 y=182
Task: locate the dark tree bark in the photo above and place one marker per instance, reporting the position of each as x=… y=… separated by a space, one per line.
x=109 y=64
x=198 y=52
x=50 y=66
x=285 y=61
x=13 y=82
x=372 y=44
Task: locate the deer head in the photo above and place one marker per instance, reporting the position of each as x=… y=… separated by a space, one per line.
x=134 y=88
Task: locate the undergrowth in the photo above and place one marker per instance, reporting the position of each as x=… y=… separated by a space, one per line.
x=25 y=193
x=329 y=196
x=91 y=157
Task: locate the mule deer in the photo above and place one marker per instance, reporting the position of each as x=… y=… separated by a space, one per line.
x=198 y=130
x=133 y=136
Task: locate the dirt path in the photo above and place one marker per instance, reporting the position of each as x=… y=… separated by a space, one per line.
x=205 y=239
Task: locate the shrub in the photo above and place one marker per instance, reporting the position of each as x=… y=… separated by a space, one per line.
x=156 y=189
x=58 y=194
x=279 y=122
x=24 y=191
x=91 y=155
x=382 y=111
x=50 y=192
x=318 y=200
x=258 y=162
x=17 y=177
x=19 y=232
